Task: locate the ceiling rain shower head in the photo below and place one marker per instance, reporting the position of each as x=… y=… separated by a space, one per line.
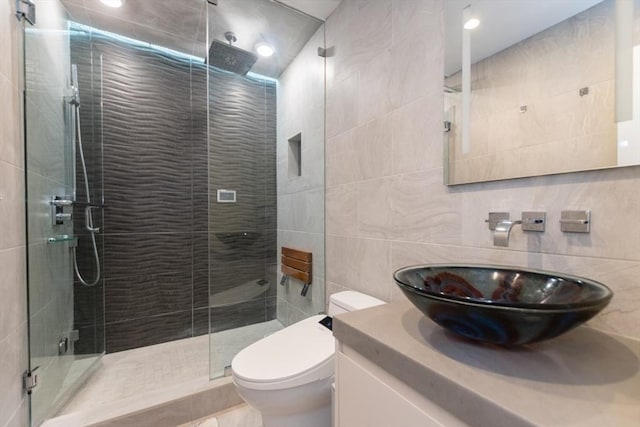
x=228 y=57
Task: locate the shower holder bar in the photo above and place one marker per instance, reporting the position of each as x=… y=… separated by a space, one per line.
x=61 y=202
x=91 y=205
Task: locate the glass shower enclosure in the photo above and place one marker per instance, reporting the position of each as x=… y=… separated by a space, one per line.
x=161 y=187
x=66 y=317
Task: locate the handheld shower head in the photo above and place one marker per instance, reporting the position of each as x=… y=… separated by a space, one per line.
x=74 y=97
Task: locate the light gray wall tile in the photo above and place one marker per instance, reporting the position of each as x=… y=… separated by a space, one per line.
x=342 y=106
x=342 y=158
x=12 y=289
x=375 y=210
x=11 y=148
x=373 y=267
x=314 y=211
x=410 y=17
x=413 y=58
x=10 y=44
x=425 y=210
x=374 y=99
x=341 y=260
x=373 y=148
x=13 y=357
x=301 y=199
x=20 y=417
x=413 y=147
x=11 y=205
x=342 y=210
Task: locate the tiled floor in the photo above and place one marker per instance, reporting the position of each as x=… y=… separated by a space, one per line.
x=238 y=416
x=134 y=372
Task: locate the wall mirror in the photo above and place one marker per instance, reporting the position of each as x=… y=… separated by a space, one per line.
x=538 y=87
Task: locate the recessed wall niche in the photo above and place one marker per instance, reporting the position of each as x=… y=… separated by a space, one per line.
x=295 y=156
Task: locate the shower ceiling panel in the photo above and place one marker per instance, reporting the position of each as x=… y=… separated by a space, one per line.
x=181 y=25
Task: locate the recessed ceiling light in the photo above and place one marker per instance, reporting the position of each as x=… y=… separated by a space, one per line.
x=113 y=3
x=471 y=23
x=264 y=49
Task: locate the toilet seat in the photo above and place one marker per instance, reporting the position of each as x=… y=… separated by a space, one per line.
x=294 y=356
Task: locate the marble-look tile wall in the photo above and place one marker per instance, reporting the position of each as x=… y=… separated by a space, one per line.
x=301 y=198
x=543 y=73
x=13 y=310
x=387 y=206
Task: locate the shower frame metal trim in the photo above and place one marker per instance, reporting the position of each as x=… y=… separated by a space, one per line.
x=26 y=9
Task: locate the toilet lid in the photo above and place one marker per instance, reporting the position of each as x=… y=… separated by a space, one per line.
x=287 y=354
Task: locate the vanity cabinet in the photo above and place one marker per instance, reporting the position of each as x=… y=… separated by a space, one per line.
x=396 y=368
x=368 y=396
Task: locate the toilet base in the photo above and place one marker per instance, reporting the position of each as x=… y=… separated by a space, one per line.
x=308 y=405
x=320 y=417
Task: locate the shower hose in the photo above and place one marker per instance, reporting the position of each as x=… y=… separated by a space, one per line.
x=87 y=212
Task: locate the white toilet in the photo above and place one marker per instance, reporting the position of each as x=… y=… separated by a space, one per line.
x=288 y=375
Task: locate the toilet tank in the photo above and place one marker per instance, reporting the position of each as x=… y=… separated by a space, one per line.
x=342 y=302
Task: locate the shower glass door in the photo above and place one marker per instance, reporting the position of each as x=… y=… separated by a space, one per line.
x=66 y=326
x=261 y=197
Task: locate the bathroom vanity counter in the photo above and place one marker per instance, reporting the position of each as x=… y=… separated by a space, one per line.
x=583 y=378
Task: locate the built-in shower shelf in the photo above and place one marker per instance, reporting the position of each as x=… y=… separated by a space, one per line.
x=62 y=238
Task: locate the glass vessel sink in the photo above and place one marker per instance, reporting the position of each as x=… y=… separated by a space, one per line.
x=502 y=305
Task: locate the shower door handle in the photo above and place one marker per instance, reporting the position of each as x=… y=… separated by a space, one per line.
x=88 y=220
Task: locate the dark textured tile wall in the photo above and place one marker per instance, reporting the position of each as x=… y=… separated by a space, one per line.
x=89 y=301
x=242 y=157
x=157 y=172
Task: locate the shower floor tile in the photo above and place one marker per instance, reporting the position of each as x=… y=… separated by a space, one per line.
x=134 y=372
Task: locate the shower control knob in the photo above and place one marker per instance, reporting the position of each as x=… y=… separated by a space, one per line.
x=58 y=216
x=61 y=217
